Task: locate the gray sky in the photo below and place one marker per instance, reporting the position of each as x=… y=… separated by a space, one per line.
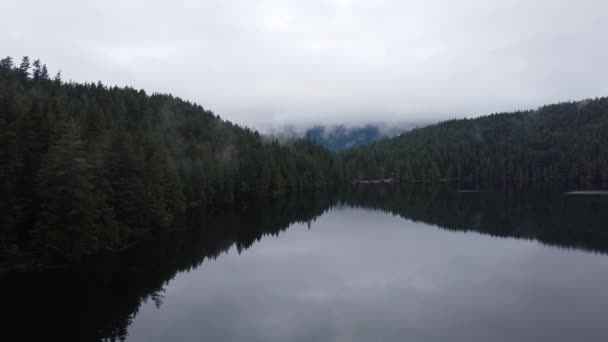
x=269 y=63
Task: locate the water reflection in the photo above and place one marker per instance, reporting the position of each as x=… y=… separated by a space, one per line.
x=550 y=218
x=358 y=275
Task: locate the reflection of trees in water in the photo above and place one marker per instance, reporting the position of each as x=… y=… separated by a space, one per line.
x=99 y=299
x=550 y=218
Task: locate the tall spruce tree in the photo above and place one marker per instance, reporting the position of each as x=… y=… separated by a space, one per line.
x=73 y=217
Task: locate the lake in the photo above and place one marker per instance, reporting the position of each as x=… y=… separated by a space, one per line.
x=368 y=263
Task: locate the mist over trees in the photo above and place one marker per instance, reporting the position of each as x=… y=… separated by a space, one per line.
x=554 y=145
x=86 y=166
x=340 y=137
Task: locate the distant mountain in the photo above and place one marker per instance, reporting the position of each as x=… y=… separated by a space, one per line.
x=340 y=137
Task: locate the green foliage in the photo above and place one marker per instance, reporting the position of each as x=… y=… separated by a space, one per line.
x=73 y=218
x=85 y=167
x=553 y=145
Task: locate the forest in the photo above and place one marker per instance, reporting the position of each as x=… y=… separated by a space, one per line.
x=551 y=146
x=86 y=167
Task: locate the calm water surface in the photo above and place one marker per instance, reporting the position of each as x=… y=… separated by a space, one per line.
x=387 y=266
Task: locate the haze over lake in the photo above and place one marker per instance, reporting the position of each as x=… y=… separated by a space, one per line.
x=370 y=263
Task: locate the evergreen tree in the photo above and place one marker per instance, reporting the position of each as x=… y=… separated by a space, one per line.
x=124 y=170
x=44 y=73
x=37 y=69
x=57 y=78
x=24 y=67
x=6 y=63
x=72 y=217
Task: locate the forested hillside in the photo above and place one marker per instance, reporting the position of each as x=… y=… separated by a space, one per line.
x=86 y=166
x=566 y=142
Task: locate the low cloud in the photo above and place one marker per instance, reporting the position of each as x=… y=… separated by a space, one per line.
x=271 y=63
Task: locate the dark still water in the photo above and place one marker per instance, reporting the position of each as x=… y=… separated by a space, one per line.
x=374 y=263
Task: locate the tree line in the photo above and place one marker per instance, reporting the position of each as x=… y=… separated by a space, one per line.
x=87 y=166
x=554 y=145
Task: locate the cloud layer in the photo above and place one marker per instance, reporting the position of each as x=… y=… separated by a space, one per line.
x=269 y=63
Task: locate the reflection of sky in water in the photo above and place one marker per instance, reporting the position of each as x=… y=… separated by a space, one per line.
x=362 y=275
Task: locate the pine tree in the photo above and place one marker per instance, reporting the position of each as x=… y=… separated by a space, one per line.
x=57 y=78
x=44 y=73
x=24 y=67
x=72 y=217
x=6 y=63
x=37 y=70
x=124 y=169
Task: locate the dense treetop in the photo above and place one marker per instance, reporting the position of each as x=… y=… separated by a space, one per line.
x=86 y=166
x=566 y=142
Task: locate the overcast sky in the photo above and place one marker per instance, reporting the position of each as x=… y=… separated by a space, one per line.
x=268 y=63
